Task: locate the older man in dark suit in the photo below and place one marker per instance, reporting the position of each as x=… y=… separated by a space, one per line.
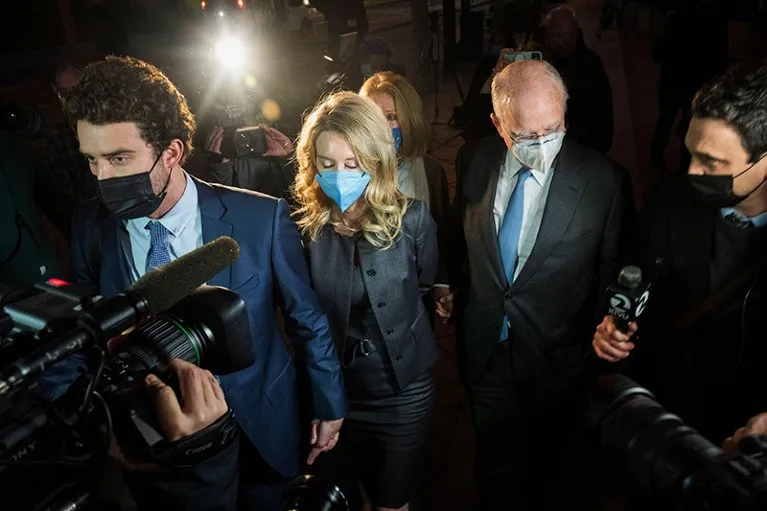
x=542 y=221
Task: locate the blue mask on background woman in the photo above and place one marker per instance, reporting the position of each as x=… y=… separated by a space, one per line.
x=343 y=188
x=397 y=134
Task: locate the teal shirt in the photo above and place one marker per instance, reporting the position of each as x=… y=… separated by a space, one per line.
x=35 y=260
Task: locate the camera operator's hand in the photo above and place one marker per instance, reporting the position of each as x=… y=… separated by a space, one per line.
x=213 y=142
x=324 y=437
x=755 y=426
x=204 y=401
x=277 y=143
x=610 y=343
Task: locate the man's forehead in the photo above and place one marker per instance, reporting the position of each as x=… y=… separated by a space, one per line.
x=713 y=137
x=105 y=138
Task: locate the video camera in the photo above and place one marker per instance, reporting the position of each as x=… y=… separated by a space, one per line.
x=51 y=451
x=670 y=460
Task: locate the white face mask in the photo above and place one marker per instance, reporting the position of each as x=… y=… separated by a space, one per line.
x=539 y=154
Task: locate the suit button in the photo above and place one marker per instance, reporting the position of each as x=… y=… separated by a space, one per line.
x=381 y=304
x=507 y=295
x=397 y=357
x=389 y=331
x=371 y=273
x=496 y=324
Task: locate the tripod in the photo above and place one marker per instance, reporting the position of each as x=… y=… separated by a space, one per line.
x=434 y=51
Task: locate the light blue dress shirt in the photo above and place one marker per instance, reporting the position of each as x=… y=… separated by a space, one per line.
x=536 y=194
x=183 y=221
x=759 y=220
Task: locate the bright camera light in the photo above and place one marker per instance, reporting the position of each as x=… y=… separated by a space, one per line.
x=221 y=13
x=231 y=52
x=307 y=3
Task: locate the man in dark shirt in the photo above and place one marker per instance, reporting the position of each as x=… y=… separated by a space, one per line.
x=590 y=107
x=703 y=245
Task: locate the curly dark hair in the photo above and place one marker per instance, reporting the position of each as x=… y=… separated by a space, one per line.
x=739 y=98
x=124 y=89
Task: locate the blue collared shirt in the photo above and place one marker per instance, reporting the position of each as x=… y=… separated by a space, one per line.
x=759 y=220
x=183 y=221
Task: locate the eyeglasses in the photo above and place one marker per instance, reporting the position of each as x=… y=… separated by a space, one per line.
x=532 y=138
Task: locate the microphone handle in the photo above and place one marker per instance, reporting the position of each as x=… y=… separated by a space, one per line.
x=621 y=324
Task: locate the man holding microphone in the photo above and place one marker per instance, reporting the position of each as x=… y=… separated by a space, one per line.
x=703 y=240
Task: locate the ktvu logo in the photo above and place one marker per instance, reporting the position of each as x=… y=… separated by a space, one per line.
x=620 y=306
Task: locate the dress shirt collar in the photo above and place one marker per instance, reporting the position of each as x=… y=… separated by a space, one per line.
x=759 y=220
x=179 y=216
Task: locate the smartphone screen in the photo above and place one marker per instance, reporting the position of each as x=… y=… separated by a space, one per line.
x=514 y=56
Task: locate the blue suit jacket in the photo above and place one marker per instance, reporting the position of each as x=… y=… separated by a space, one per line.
x=271 y=271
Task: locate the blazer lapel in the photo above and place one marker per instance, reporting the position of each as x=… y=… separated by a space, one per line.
x=114 y=263
x=480 y=215
x=565 y=193
x=211 y=211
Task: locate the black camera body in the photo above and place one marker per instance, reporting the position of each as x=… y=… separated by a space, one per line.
x=55 y=447
x=243 y=142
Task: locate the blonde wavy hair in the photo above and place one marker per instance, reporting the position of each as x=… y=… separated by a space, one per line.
x=361 y=123
x=416 y=132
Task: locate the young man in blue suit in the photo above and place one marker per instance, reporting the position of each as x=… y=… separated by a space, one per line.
x=135 y=130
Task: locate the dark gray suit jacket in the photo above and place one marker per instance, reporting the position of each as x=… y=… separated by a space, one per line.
x=394 y=279
x=552 y=305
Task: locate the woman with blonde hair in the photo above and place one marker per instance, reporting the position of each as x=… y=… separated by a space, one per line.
x=419 y=175
x=371 y=251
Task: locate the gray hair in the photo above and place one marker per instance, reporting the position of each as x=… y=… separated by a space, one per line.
x=518 y=77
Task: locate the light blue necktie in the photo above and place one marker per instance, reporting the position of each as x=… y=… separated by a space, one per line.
x=508 y=236
x=159 y=246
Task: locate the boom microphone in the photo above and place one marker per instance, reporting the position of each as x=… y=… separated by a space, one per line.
x=155 y=292
x=165 y=286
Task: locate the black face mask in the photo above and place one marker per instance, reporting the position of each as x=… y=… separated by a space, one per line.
x=132 y=196
x=717 y=191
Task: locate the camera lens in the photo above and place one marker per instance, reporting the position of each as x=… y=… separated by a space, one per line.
x=162 y=338
x=309 y=493
x=22 y=121
x=658 y=449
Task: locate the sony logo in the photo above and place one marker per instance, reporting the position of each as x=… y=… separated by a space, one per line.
x=24 y=451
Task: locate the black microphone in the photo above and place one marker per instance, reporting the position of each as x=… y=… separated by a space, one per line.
x=155 y=292
x=627 y=298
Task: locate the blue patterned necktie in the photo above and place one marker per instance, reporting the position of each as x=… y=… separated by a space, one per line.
x=159 y=246
x=508 y=235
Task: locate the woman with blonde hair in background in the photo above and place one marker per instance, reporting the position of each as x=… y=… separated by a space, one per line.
x=372 y=252
x=419 y=175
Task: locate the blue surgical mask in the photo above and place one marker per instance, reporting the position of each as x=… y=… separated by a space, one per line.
x=343 y=188
x=397 y=134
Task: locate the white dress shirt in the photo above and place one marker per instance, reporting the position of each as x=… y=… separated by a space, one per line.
x=183 y=221
x=536 y=193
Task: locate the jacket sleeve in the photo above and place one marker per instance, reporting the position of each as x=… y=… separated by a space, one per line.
x=306 y=323
x=211 y=485
x=81 y=250
x=457 y=258
x=439 y=197
x=427 y=252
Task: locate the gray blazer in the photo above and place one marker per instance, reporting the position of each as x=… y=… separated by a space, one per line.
x=394 y=279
